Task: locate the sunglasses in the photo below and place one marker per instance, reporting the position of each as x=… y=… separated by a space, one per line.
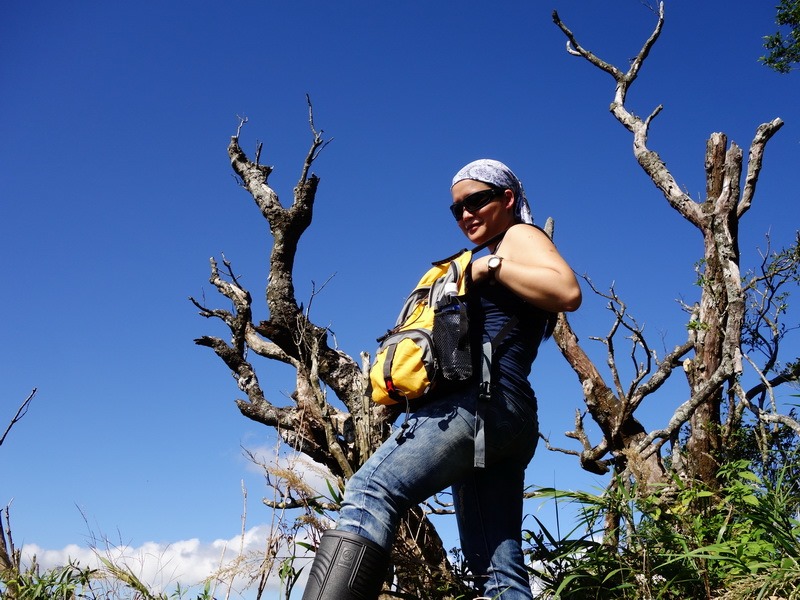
x=474 y=202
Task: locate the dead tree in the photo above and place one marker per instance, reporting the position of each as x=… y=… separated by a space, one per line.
x=339 y=440
x=713 y=353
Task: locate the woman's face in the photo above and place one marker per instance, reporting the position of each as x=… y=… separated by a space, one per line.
x=489 y=220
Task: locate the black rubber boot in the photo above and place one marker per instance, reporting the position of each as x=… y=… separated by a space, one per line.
x=347 y=567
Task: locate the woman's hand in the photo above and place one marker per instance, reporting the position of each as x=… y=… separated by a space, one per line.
x=480 y=269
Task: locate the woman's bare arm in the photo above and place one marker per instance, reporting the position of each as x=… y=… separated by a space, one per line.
x=533 y=269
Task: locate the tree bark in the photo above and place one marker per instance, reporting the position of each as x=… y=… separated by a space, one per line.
x=341 y=440
x=714 y=342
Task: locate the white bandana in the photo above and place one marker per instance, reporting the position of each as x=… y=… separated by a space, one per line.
x=497 y=174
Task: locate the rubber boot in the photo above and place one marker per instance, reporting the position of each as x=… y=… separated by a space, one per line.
x=347 y=567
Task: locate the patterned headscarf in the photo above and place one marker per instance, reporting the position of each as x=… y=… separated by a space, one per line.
x=497 y=174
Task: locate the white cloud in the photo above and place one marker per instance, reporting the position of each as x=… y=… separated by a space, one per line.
x=162 y=566
x=188 y=562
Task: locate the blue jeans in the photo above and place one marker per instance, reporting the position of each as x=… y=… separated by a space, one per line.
x=436 y=451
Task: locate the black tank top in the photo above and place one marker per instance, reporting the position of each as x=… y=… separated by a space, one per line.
x=491 y=306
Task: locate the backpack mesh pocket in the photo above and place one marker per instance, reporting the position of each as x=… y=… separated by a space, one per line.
x=451 y=341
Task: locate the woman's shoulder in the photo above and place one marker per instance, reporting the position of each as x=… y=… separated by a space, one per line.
x=526 y=233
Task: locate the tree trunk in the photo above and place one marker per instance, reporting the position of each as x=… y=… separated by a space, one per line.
x=341 y=440
x=715 y=328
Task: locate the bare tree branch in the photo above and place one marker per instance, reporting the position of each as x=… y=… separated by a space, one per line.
x=649 y=160
x=716 y=327
x=21 y=412
x=574 y=48
x=341 y=440
x=764 y=132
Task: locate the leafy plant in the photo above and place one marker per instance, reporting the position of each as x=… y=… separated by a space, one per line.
x=62 y=583
x=784 y=50
x=741 y=541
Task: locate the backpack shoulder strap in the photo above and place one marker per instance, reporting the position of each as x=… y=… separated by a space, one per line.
x=475 y=249
x=485 y=389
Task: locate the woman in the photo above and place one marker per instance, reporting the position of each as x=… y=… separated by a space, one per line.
x=525 y=280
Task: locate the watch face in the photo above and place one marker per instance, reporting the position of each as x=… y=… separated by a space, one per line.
x=494 y=262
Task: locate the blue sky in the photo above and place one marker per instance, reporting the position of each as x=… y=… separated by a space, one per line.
x=116 y=189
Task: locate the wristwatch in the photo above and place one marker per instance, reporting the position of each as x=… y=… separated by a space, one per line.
x=493 y=264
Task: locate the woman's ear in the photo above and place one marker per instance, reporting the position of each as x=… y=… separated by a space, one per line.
x=509 y=200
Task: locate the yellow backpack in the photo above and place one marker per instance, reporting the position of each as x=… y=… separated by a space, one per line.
x=406 y=364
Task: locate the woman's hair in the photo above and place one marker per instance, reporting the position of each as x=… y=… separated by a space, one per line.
x=498 y=175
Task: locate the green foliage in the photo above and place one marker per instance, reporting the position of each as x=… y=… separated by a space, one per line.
x=770 y=452
x=288 y=574
x=741 y=541
x=784 y=51
x=700 y=270
x=123 y=574
x=74 y=582
x=589 y=563
x=62 y=583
